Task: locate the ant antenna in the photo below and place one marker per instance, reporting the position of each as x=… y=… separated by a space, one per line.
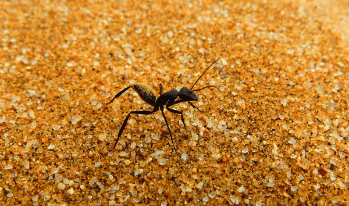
x=195 y=90
x=204 y=72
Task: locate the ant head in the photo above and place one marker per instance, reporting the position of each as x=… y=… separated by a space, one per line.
x=187 y=94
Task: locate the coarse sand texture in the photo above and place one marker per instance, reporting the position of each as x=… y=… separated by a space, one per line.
x=275 y=132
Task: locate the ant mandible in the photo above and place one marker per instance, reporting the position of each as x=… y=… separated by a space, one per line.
x=167 y=99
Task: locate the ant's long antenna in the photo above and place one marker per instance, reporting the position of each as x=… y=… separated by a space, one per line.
x=204 y=72
x=195 y=90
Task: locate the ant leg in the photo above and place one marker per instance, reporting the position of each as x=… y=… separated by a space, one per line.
x=177 y=112
x=120 y=93
x=160 y=89
x=125 y=121
x=177 y=102
x=162 y=110
x=180 y=101
x=194 y=106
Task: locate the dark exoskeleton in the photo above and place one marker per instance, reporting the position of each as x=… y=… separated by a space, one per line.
x=167 y=99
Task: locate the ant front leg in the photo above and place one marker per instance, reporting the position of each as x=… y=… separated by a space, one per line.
x=125 y=121
x=191 y=104
x=194 y=106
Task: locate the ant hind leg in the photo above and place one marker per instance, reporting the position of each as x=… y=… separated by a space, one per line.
x=119 y=94
x=125 y=121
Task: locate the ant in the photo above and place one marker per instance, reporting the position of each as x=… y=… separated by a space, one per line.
x=167 y=99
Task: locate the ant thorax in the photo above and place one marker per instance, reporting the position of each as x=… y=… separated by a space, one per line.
x=167 y=97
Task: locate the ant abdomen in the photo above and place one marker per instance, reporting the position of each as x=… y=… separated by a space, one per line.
x=146 y=93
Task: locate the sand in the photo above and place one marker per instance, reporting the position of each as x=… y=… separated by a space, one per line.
x=274 y=132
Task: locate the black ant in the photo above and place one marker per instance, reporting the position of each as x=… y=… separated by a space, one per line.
x=168 y=98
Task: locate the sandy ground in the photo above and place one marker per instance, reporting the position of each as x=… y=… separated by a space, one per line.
x=274 y=132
